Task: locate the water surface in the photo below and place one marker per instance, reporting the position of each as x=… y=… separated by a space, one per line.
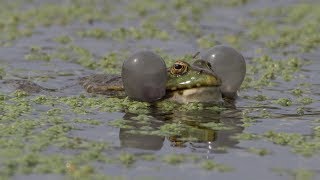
x=72 y=134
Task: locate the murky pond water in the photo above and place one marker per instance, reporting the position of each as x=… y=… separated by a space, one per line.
x=272 y=133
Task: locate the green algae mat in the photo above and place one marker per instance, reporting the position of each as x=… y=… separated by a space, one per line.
x=273 y=133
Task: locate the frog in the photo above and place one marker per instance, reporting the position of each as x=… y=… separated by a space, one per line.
x=26 y=85
x=186 y=83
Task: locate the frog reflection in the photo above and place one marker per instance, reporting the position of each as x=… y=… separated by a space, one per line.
x=137 y=140
x=195 y=131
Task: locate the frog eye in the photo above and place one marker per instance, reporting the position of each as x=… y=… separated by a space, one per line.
x=179 y=68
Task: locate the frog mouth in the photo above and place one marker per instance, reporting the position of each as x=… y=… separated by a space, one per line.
x=209 y=94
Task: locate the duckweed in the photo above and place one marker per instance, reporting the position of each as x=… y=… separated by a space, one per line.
x=167 y=106
x=36 y=53
x=106 y=104
x=74 y=53
x=27 y=158
x=206 y=41
x=171 y=129
x=111 y=63
x=37 y=131
x=302 y=174
x=260 y=97
x=284 y=102
x=216 y=109
x=2 y=72
x=317 y=131
x=246 y=136
x=146 y=30
x=127 y=159
x=297 y=174
x=234 y=40
x=300 y=144
x=83 y=171
x=267 y=70
x=142 y=117
x=174 y=159
x=264 y=113
x=54 y=112
x=63 y=39
x=216 y=126
x=298 y=28
x=306 y=100
x=248 y=120
x=284 y=138
x=297 y=92
x=88 y=121
x=300 y=111
x=120 y=123
x=20 y=93
x=183 y=25
x=210 y=165
x=148 y=157
x=40 y=99
x=93 y=33
x=317 y=121
x=259 y=151
x=191 y=106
